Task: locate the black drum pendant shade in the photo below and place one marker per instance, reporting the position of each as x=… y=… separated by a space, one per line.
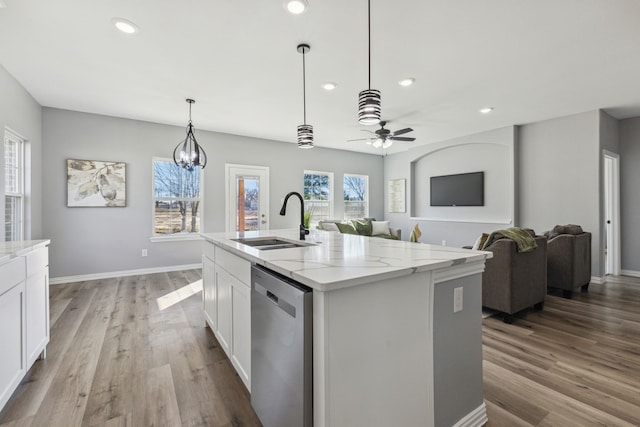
x=369 y=100
x=305 y=131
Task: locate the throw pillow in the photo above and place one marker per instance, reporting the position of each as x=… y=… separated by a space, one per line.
x=480 y=241
x=379 y=227
x=330 y=226
x=362 y=226
x=346 y=228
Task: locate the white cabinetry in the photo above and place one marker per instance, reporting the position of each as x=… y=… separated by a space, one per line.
x=12 y=307
x=37 y=303
x=227 y=305
x=24 y=312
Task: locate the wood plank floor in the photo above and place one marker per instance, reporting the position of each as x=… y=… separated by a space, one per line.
x=134 y=351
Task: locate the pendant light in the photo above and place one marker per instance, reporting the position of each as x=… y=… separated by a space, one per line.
x=305 y=131
x=189 y=153
x=369 y=100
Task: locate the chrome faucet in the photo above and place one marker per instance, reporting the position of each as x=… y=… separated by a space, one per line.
x=303 y=230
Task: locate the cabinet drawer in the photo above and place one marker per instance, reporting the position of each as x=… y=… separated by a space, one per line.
x=235 y=265
x=209 y=251
x=11 y=274
x=37 y=260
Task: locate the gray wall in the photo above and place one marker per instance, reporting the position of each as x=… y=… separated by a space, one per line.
x=491 y=152
x=559 y=176
x=102 y=240
x=629 y=194
x=22 y=114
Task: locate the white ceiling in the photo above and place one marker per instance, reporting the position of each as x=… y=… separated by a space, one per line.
x=531 y=60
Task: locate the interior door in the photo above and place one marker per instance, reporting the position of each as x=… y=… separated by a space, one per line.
x=247 y=197
x=612 y=213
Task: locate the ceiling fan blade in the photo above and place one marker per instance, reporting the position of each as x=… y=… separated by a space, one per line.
x=402 y=131
x=360 y=139
x=402 y=138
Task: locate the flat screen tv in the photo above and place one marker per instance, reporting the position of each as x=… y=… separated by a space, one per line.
x=464 y=189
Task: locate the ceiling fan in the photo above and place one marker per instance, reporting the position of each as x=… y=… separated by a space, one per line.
x=384 y=137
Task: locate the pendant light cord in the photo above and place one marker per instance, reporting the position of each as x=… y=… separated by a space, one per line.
x=304 y=88
x=369 y=24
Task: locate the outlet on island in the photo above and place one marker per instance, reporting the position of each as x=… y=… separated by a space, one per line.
x=145 y=252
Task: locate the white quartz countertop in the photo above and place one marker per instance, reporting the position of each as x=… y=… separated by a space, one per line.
x=340 y=260
x=9 y=250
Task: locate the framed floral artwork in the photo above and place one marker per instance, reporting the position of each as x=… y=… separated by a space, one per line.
x=93 y=183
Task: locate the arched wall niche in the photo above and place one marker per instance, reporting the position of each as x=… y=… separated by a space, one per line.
x=495 y=157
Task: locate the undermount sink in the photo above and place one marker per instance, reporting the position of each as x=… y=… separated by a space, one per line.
x=271 y=243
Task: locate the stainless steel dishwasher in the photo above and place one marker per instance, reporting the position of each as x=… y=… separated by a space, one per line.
x=281 y=350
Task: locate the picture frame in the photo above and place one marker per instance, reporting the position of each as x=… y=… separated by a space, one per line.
x=96 y=183
x=396 y=194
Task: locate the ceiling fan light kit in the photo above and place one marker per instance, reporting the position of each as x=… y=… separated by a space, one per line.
x=305 y=131
x=190 y=154
x=369 y=100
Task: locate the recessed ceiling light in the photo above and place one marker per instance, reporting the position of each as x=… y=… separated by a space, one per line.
x=296 y=7
x=486 y=110
x=329 y=86
x=407 y=81
x=125 y=26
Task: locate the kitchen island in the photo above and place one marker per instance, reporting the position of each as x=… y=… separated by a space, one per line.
x=397 y=326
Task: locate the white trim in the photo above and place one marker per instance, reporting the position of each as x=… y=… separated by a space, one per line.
x=632 y=273
x=112 y=274
x=598 y=280
x=471 y=220
x=475 y=418
x=178 y=237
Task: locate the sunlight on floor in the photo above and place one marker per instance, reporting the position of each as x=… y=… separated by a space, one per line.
x=178 y=295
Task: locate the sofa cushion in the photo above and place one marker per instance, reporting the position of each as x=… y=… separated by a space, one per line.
x=330 y=226
x=362 y=226
x=564 y=229
x=379 y=227
x=346 y=228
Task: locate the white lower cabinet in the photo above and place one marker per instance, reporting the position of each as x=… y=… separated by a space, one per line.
x=24 y=316
x=227 y=306
x=223 y=288
x=241 y=330
x=209 y=292
x=12 y=360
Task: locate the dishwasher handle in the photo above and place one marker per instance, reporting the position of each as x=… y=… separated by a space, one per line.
x=279 y=302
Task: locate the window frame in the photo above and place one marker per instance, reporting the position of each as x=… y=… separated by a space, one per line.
x=186 y=235
x=20 y=194
x=330 y=198
x=365 y=202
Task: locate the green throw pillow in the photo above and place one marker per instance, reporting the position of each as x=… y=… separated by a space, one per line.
x=346 y=228
x=363 y=226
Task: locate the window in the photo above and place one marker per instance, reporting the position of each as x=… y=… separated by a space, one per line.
x=177 y=199
x=356 y=196
x=13 y=187
x=318 y=195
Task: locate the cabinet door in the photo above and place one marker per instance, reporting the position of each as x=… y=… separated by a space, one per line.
x=241 y=331
x=12 y=355
x=37 y=314
x=223 y=289
x=209 y=300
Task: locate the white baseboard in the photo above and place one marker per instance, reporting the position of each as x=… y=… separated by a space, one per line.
x=598 y=280
x=632 y=273
x=475 y=418
x=112 y=274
